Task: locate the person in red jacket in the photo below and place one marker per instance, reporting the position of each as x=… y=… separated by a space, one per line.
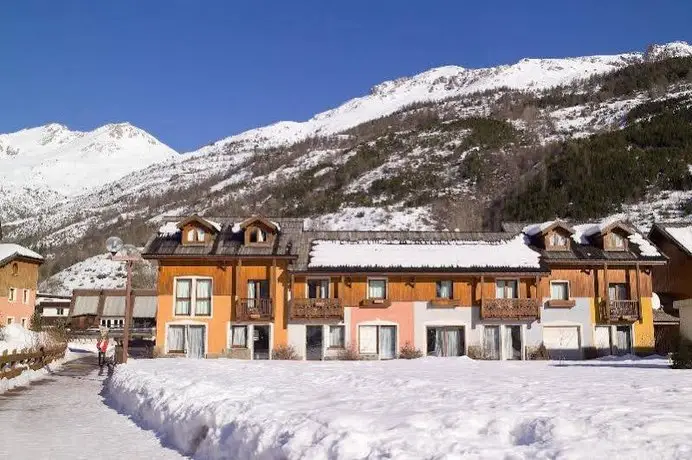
x=102 y=346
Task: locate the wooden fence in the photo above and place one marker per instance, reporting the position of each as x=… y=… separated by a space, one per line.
x=12 y=365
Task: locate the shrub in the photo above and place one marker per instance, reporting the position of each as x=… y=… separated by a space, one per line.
x=285 y=352
x=36 y=321
x=682 y=358
x=58 y=333
x=350 y=353
x=475 y=352
x=538 y=353
x=408 y=351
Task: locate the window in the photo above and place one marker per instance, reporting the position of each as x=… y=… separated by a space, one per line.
x=377 y=289
x=23 y=322
x=617 y=241
x=443 y=289
x=318 y=289
x=25 y=297
x=12 y=295
x=10 y=320
x=191 y=235
x=193 y=291
x=559 y=290
x=176 y=339
x=200 y=235
x=557 y=240
x=618 y=291
x=195 y=235
x=203 y=298
x=239 y=336
x=60 y=311
x=257 y=235
x=506 y=289
x=258 y=289
x=15 y=269
x=337 y=337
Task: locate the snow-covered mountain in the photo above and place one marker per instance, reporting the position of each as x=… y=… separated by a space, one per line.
x=47 y=163
x=429 y=151
x=440 y=83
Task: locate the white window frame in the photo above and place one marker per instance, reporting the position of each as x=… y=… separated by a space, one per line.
x=451 y=288
x=187 y=323
x=569 y=289
x=12 y=295
x=386 y=287
x=516 y=280
x=378 y=324
x=318 y=278
x=329 y=335
x=26 y=296
x=247 y=337
x=193 y=296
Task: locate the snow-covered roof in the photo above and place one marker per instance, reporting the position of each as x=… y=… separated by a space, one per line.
x=583 y=232
x=512 y=253
x=169 y=229
x=535 y=229
x=9 y=251
x=645 y=247
x=682 y=235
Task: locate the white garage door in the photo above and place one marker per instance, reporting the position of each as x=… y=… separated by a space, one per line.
x=562 y=342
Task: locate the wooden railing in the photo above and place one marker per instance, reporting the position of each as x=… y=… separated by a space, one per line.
x=620 y=310
x=254 y=310
x=12 y=365
x=511 y=309
x=316 y=308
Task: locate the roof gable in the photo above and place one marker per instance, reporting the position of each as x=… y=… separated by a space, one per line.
x=11 y=251
x=212 y=226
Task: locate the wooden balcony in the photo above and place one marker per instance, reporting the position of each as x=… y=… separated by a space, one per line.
x=620 y=310
x=527 y=309
x=305 y=309
x=254 y=310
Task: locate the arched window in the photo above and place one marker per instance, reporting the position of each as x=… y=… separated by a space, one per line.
x=191 y=235
x=15 y=269
x=200 y=235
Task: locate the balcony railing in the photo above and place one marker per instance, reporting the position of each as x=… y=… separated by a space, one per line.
x=254 y=310
x=511 y=309
x=316 y=309
x=620 y=310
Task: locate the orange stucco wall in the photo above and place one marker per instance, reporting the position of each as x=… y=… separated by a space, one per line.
x=17 y=310
x=400 y=313
x=19 y=275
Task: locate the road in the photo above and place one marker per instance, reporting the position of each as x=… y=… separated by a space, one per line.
x=63 y=416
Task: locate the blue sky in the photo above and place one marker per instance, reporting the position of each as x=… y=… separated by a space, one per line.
x=191 y=72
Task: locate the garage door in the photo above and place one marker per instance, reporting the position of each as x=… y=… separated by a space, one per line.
x=562 y=342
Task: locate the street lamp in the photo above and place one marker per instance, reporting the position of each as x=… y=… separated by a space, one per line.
x=124 y=253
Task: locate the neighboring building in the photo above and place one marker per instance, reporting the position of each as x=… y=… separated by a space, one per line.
x=241 y=287
x=18 y=283
x=673 y=282
x=53 y=308
x=91 y=308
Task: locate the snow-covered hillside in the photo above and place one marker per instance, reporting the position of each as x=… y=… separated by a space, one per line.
x=40 y=165
x=440 y=83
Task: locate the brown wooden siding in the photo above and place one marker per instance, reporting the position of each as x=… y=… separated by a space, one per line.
x=673 y=278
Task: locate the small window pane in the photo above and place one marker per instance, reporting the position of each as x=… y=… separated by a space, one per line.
x=559 y=291
x=318 y=289
x=176 y=339
x=239 y=336
x=183 y=297
x=336 y=336
x=444 y=289
x=203 y=297
x=377 y=289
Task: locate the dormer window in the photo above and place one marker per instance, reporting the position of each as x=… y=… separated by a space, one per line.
x=195 y=235
x=615 y=241
x=257 y=235
x=557 y=240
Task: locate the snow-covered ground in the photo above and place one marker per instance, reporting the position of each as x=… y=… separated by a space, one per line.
x=427 y=408
x=64 y=417
x=16 y=337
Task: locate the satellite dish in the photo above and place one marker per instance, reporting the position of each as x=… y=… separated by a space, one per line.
x=114 y=244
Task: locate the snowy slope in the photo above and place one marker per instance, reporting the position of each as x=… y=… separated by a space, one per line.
x=440 y=83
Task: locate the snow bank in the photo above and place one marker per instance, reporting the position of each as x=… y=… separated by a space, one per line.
x=427 y=408
x=16 y=337
x=467 y=254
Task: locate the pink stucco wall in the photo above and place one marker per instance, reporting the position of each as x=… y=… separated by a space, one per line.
x=17 y=310
x=400 y=313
